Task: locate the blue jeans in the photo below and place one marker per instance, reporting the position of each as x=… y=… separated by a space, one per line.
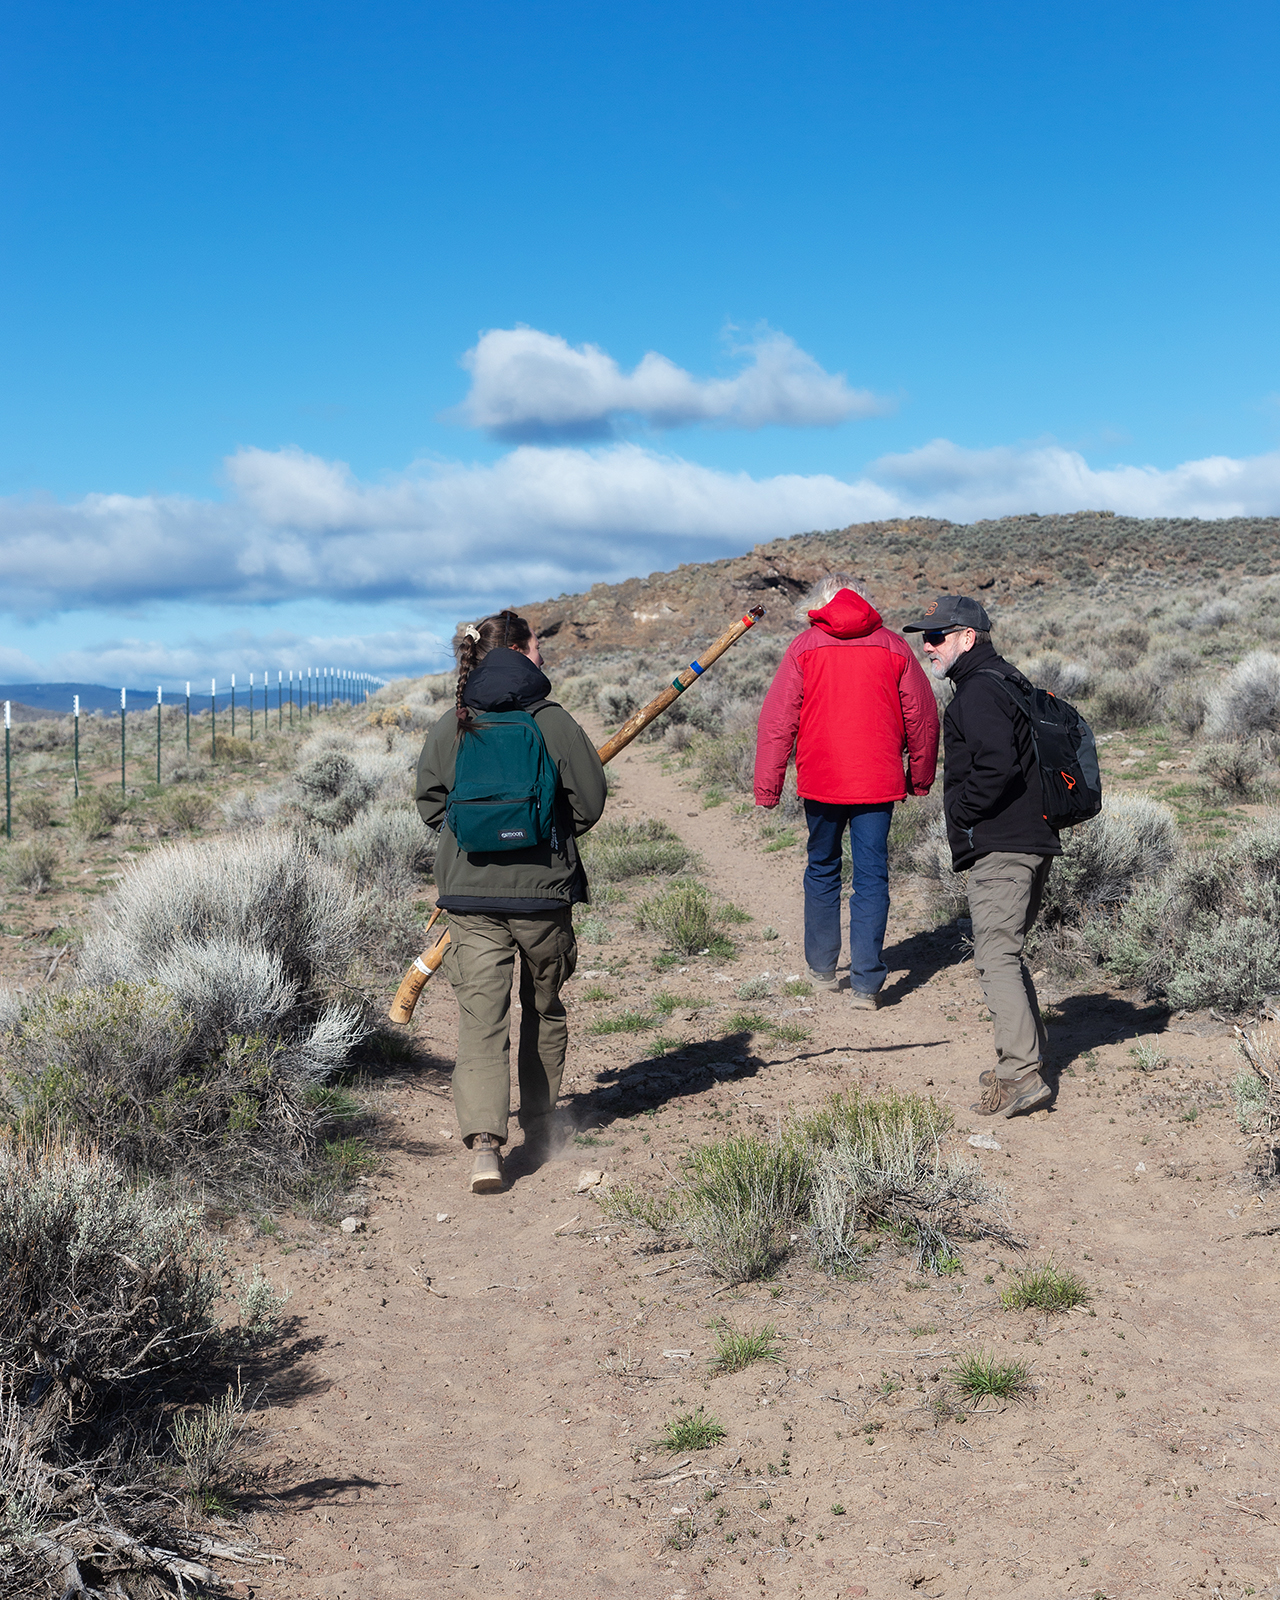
x=868 y=903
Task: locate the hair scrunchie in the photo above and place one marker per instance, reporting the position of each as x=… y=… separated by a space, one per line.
x=472 y=632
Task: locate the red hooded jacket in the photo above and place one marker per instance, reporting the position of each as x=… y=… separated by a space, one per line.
x=851 y=697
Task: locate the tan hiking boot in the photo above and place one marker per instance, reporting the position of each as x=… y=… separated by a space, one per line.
x=862 y=1002
x=824 y=980
x=486 y=1167
x=987 y=1078
x=1009 y=1097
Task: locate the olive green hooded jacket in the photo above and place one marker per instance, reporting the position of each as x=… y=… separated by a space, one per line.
x=539 y=879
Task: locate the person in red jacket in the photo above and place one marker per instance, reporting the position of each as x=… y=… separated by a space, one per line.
x=852 y=699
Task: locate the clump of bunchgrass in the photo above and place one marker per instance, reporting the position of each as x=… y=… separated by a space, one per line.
x=882 y=1168
x=209 y=1441
x=691 y=1430
x=688 y=919
x=1046 y=1288
x=634 y=847
x=1252 y=1100
x=861 y=1165
x=623 y=1022
x=736 y=1349
x=981 y=1376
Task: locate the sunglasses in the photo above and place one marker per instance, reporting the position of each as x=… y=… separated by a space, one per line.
x=935 y=636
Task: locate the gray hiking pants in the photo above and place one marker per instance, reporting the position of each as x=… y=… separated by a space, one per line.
x=478 y=963
x=1005 y=891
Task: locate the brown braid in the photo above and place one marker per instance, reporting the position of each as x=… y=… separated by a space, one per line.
x=503 y=630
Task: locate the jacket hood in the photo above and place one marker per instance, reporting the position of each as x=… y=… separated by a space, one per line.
x=846 y=616
x=505 y=680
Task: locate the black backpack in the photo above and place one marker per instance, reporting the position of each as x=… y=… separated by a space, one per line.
x=1066 y=755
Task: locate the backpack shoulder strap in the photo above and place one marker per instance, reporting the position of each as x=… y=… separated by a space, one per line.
x=1013 y=690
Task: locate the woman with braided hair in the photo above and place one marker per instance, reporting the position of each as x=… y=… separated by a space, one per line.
x=504 y=902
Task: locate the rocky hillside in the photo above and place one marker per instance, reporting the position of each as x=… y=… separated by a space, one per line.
x=1005 y=561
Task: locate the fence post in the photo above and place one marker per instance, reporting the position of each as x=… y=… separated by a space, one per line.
x=8 y=798
x=279 y=699
x=291 y=697
x=251 y=708
x=233 y=705
x=123 y=790
x=188 y=719
x=75 y=711
x=213 y=719
x=159 y=697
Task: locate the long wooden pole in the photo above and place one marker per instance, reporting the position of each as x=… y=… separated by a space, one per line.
x=424 y=967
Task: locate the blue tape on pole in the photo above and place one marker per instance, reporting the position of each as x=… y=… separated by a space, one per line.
x=695 y=669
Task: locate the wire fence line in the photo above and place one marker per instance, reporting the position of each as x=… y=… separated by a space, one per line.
x=296 y=695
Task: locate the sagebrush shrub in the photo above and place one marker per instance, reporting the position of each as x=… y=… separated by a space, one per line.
x=1124 y=700
x=931 y=858
x=1132 y=841
x=1215 y=614
x=729 y=762
x=266 y=891
x=1067 y=678
x=386 y=846
x=31 y=866
x=184 y=811
x=97 y=811
x=165 y=1093
x=36 y=810
x=1248 y=701
x=103 y=1283
x=1184 y=709
x=1233 y=769
x=231 y=750
x=616 y=702
x=333 y=789
x=1208 y=933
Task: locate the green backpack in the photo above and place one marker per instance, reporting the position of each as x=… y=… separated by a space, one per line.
x=504 y=786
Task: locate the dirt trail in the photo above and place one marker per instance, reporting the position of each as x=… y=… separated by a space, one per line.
x=475 y=1383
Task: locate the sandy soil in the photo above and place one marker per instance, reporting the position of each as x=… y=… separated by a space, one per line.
x=473 y=1385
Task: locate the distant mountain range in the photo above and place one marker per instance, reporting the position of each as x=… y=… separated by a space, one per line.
x=58 y=699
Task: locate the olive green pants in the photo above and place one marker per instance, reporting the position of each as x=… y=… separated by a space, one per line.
x=1005 y=891
x=478 y=963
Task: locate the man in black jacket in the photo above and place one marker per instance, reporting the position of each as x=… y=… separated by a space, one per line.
x=998 y=833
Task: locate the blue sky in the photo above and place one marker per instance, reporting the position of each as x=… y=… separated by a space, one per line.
x=324 y=325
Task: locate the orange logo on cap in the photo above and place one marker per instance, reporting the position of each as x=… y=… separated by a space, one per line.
x=931 y=608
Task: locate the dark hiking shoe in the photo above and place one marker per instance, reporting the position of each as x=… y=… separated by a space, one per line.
x=1009 y=1097
x=824 y=980
x=486 y=1165
x=862 y=1002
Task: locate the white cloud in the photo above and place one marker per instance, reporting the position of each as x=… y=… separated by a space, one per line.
x=534 y=523
x=528 y=385
x=141 y=661
x=943 y=480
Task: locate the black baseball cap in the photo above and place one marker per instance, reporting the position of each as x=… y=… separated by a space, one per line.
x=949 y=612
